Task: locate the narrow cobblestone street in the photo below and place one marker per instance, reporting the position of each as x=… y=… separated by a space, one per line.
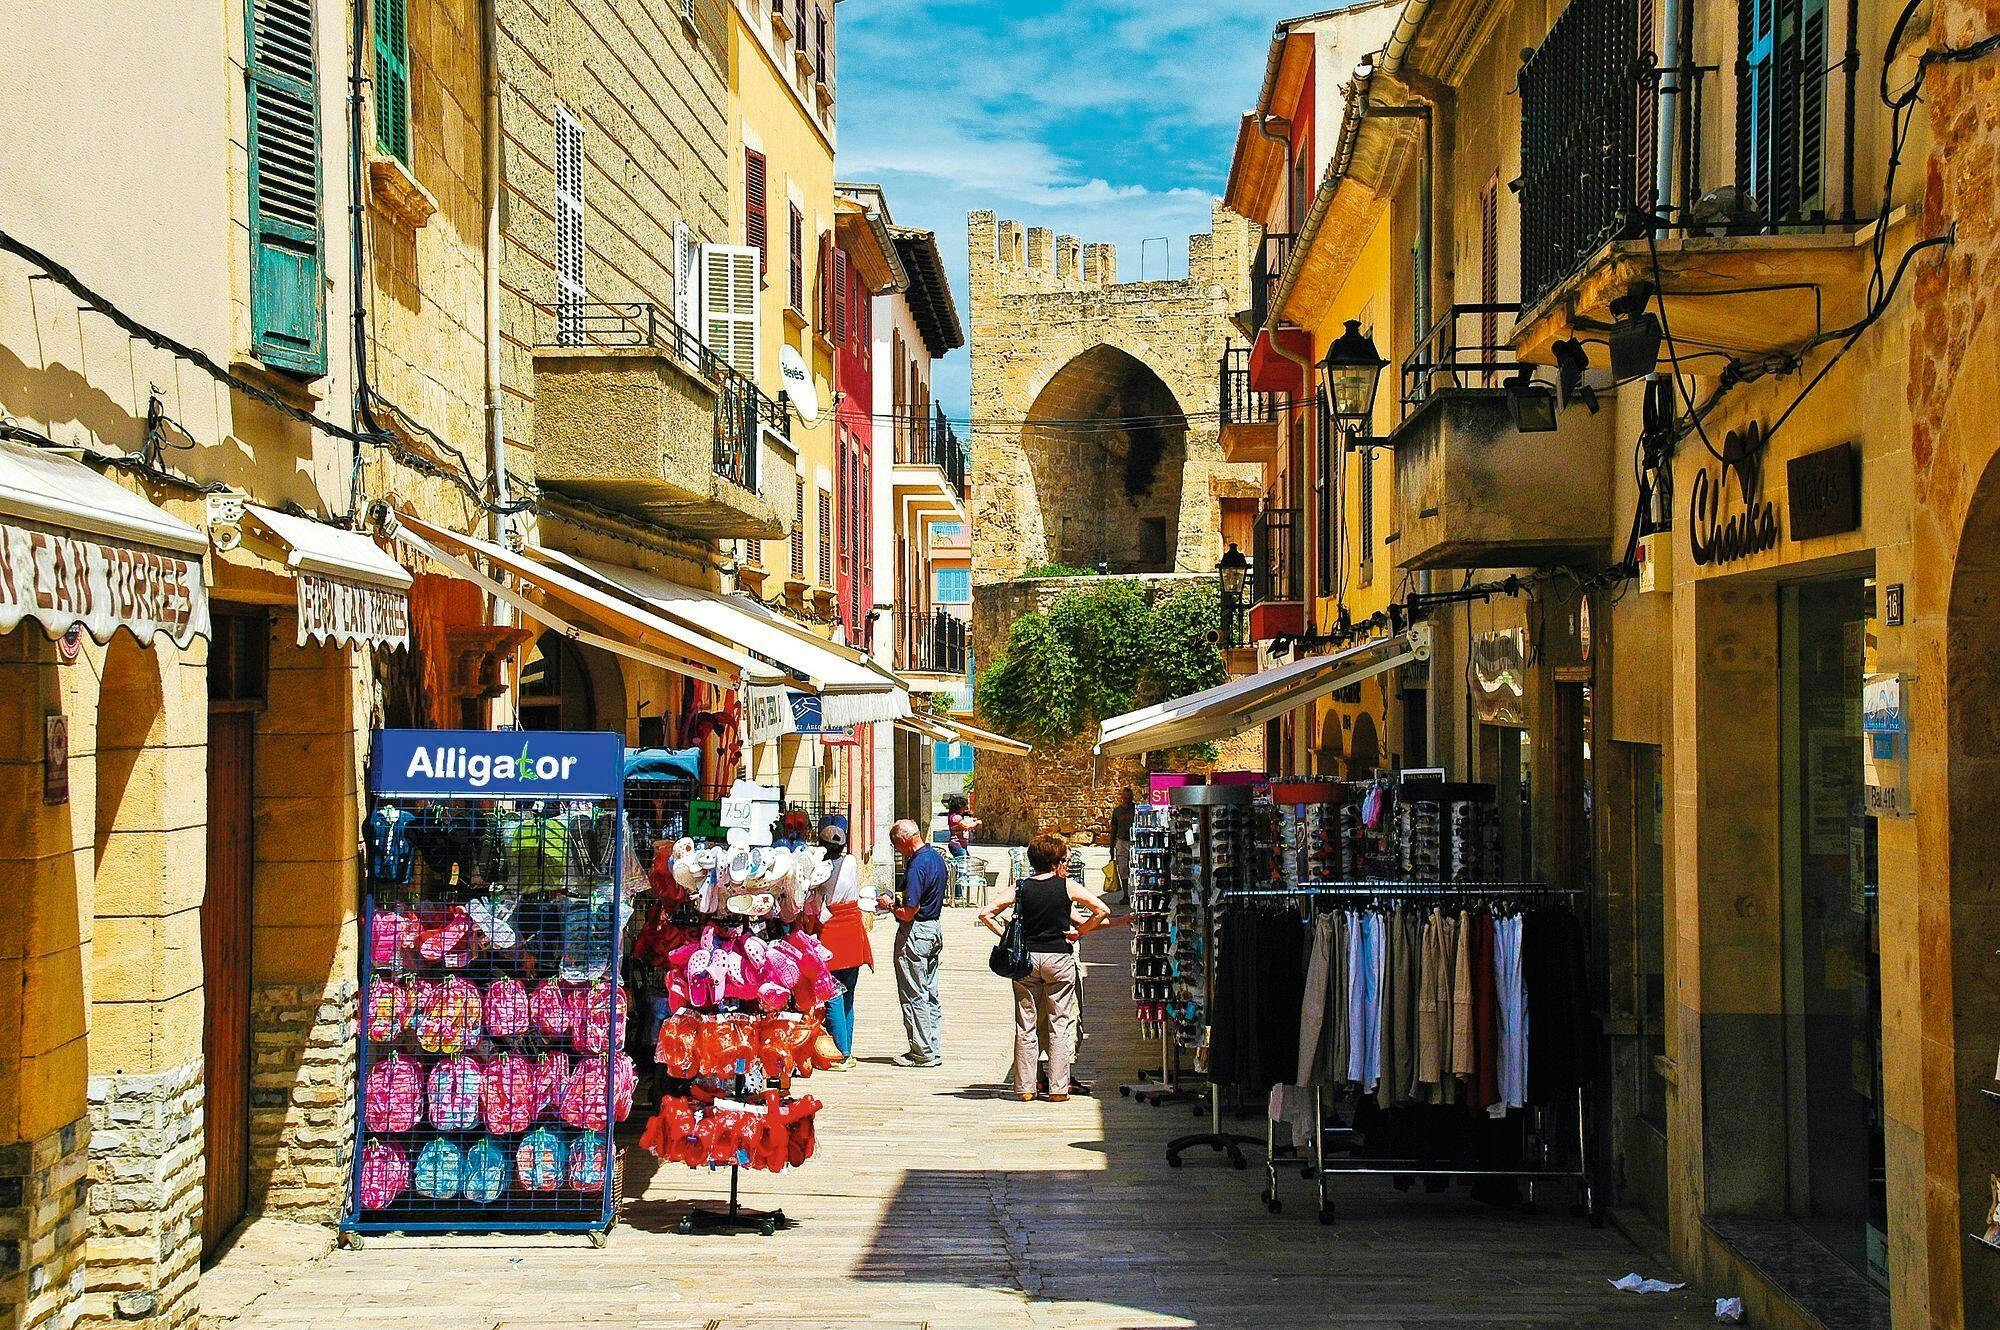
x=933 y=1202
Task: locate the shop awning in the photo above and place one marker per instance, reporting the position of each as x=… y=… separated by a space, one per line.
x=945 y=730
x=76 y=548
x=556 y=600
x=349 y=591
x=853 y=689
x=1241 y=704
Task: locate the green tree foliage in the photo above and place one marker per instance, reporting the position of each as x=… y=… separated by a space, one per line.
x=1097 y=652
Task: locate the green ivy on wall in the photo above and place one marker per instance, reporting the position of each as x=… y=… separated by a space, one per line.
x=1100 y=651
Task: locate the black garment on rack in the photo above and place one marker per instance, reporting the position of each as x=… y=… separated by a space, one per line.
x=1562 y=1028
x=1260 y=982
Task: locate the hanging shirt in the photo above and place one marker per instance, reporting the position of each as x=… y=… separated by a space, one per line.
x=1461 y=1063
x=1512 y=1013
x=1430 y=1026
x=1313 y=1006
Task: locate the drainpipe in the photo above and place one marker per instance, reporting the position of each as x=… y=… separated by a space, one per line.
x=1664 y=137
x=496 y=433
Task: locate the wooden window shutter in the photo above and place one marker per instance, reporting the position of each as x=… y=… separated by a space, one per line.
x=1489 y=269
x=1809 y=63
x=799 y=534
x=825 y=537
x=1646 y=113
x=756 y=221
x=287 y=259
x=729 y=305
x=570 y=295
x=687 y=280
x=820 y=71
x=796 y=238
x=840 y=294
x=392 y=80
x=823 y=284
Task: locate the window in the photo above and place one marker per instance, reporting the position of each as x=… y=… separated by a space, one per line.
x=825 y=537
x=569 y=228
x=797 y=239
x=756 y=223
x=820 y=71
x=954 y=586
x=392 y=80
x=1489 y=271
x=287 y=285
x=691 y=13
x=1781 y=106
x=1153 y=542
x=1327 y=518
x=947 y=531
x=239 y=658
x=1367 y=504
x=840 y=294
x=753 y=553
x=729 y=300
x=687 y=278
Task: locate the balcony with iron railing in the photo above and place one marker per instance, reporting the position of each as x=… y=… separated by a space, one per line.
x=933 y=467
x=1277 y=574
x=1491 y=470
x=1267 y=271
x=634 y=411
x=933 y=643
x=1751 y=246
x=1249 y=418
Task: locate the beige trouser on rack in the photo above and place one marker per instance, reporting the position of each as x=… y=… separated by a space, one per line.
x=1046 y=996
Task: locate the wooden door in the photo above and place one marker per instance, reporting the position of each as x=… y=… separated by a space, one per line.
x=225 y=956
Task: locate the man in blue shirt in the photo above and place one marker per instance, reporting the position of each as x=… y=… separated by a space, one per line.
x=920 y=944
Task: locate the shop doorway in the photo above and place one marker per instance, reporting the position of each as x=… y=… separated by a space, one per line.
x=1835 y=1179
x=555 y=687
x=236 y=678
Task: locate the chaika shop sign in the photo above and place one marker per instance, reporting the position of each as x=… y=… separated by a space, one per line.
x=60 y=578
x=1719 y=538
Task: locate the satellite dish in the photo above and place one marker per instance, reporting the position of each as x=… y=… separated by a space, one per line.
x=798 y=379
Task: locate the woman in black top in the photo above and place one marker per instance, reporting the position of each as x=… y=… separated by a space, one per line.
x=1045 y=1000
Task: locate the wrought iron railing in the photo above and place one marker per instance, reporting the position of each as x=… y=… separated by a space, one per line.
x=933 y=442
x=934 y=642
x=1267 y=270
x=1466 y=348
x=1240 y=403
x=1591 y=97
x=1278 y=556
x=741 y=407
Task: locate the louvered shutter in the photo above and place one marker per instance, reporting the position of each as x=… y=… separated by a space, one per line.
x=823 y=285
x=1489 y=270
x=756 y=220
x=1646 y=113
x=287 y=280
x=840 y=294
x=795 y=237
x=799 y=533
x=392 y=80
x=729 y=298
x=1810 y=60
x=687 y=281
x=569 y=228
x=825 y=537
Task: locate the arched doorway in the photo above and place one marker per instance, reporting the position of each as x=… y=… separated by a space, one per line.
x=1972 y=718
x=566 y=685
x=1106 y=443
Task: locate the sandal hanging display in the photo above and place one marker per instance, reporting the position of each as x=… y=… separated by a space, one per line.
x=493 y=1020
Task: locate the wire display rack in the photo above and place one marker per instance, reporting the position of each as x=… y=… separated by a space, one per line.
x=491 y=1063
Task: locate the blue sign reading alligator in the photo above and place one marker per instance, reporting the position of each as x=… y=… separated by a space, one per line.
x=496 y=764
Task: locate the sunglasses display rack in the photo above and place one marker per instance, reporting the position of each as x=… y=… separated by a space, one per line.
x=1152 y=938
x=490 y=1060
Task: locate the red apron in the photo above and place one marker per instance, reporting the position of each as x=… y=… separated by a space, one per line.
x=845 y=934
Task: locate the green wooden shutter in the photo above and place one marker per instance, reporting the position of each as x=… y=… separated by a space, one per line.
x=392 y=80
x=287 y=260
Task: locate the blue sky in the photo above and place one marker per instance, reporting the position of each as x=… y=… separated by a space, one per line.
x=1109 y=120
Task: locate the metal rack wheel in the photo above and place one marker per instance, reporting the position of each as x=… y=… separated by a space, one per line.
x=349 y=1241
x=1326 y=1215
x=686 y=1226
x=598 y=1237
x=768 y=1228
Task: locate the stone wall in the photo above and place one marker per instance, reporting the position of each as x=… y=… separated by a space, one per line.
x=145 y=1199
x=302 y=1096
x=44 y=1195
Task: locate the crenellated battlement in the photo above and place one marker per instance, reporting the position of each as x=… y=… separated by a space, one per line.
x=1012 y=258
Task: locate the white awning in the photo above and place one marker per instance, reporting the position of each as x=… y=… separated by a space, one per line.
x=555 y=600
x=853 y=689
x=76 y=548
x=349 y=591
x=1241 y=704
x=949 y=730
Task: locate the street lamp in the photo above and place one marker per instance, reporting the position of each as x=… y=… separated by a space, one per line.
x=1354 y=372
x=1231 y=573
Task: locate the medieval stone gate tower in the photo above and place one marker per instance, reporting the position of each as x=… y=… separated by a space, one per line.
x=1118 y=467
x=1095 y=446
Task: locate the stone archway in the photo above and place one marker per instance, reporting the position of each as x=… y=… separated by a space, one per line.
x=1106 y=444
x=1972 y=769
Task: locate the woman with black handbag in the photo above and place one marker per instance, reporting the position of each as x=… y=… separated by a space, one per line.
x=1045 y=993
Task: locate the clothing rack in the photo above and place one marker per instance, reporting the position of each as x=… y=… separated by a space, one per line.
x=1320 y=1167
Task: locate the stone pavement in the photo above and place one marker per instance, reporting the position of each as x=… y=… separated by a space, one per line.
x=933 y=1202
